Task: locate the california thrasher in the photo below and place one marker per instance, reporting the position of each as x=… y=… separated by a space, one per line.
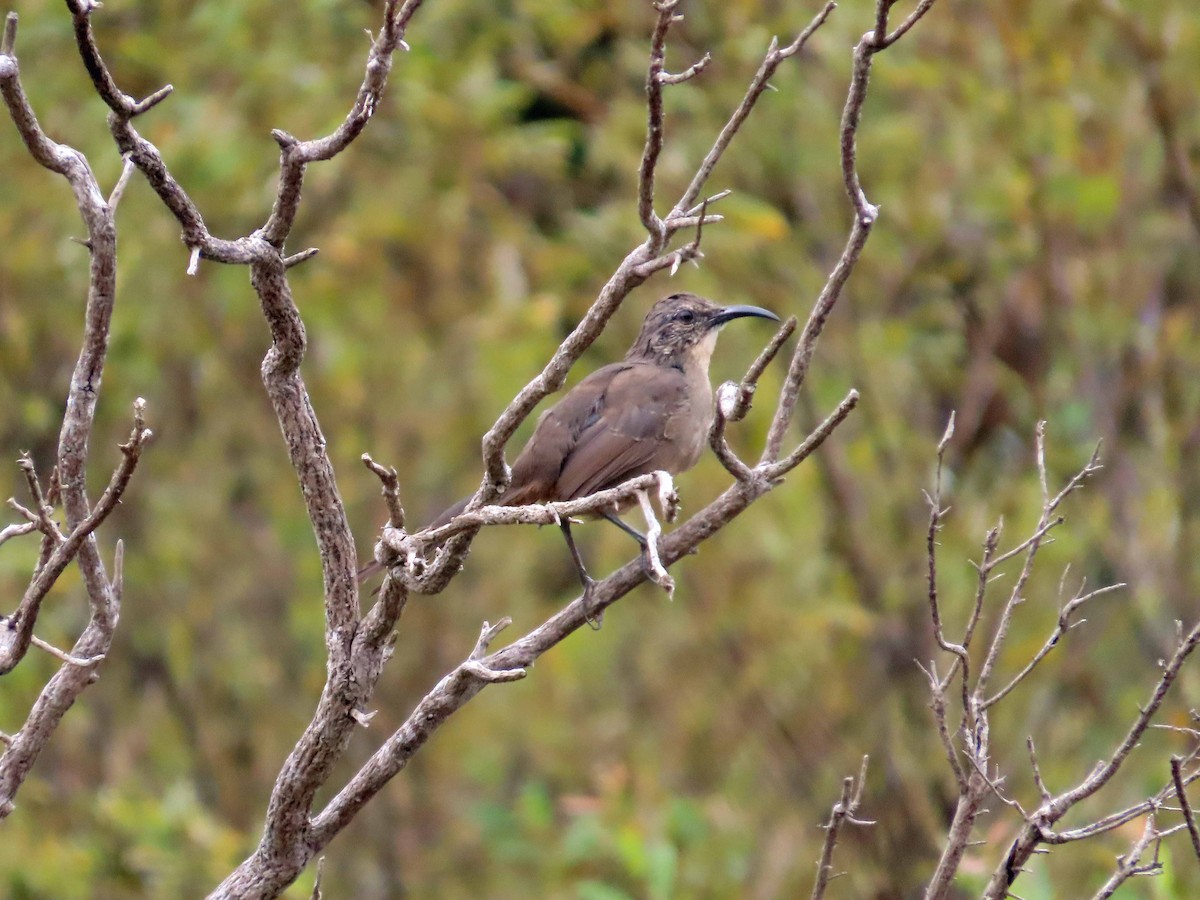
x=650 y=411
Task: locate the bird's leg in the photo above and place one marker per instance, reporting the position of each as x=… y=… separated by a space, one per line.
x=647 y=563
x=585 y=579
x=626 y=527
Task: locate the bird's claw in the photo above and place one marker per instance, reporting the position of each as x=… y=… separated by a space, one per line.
x=656 y=573
x=594 y=622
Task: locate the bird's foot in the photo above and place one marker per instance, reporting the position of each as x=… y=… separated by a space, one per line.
x=594 y=622
x=656 y=572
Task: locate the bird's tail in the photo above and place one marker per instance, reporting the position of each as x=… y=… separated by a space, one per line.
x=370 y=570
x=373 y=568
x=451 y=511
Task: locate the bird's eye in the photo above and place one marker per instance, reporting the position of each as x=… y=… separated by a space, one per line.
x=687 y=316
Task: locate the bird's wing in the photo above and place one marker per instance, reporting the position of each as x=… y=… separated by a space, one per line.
x=624 y=430
x=537 y=468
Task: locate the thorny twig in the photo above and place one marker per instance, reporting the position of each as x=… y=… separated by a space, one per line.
x=1184 y=805
x=969 y=759
x=1131 y=863
x=843 y=811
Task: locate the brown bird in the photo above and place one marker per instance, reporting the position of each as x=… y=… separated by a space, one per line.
x=650 y=411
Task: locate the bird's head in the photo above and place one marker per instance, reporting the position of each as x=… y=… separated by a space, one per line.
x=686 y=325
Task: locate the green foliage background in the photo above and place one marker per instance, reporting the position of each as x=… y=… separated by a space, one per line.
x=1033 y=260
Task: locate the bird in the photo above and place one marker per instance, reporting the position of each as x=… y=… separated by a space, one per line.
x=651 y=411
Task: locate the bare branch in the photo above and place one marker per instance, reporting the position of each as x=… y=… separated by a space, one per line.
x=470 y=677
x=1034 y=831
x=938 y=705
x=316 y=891
x=1030 y=547
x=865 y=212
x=295 y=156
x=118 y=190
x=1122 y=817
x=990 y=542
x=654 y=124
x=60 y=693
x=769 y=352
x=63 y=656
x=120 y=102
x=390 y=481
x=865 y=215
x=994 y=784
x=687 y=74
x=17 y=635
x=911 y=20
x=733 y=402
x=728 y=396
x=12 y=531
x=1131 y=864
x=303 y=256
x=307 y=446
x=974 y=726
x=1063 y=625
x=42 y=514
x=936 y=513
x=813 y=441
x=758 y=84
x=707 y=201
x=9 y=41
x=70 y=471
x=689 y=252
x=1037 y=772
x=843 y=811
x=529 y=514
x=807 y=343
x=1185 y=807
x=1044 y=528
x=487 y=634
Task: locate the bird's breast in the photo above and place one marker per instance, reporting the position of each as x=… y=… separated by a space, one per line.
x=687 y=432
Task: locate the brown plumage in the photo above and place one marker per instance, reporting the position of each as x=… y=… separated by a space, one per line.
x=650 y=411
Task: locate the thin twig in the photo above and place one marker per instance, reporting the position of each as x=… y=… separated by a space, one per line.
x=1036 y=830
x=1122 y=817
x=390 y=488
x=1185 y=807
x=316 y=891
x=843 y=811
x=937 y=705
x=1030 y=547
x=127 y=169
x=775 y=55
x=654 y=124
x=1061 y=627
x=1130 y=864
x=1037 y=771
x=63 y=656
x=17 y=530
x=814 y=440
x=936 y=513
x=734 y=399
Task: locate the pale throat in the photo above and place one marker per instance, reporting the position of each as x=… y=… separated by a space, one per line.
x=704 y=348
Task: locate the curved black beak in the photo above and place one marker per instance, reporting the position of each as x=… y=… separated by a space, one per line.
x=729 y=313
